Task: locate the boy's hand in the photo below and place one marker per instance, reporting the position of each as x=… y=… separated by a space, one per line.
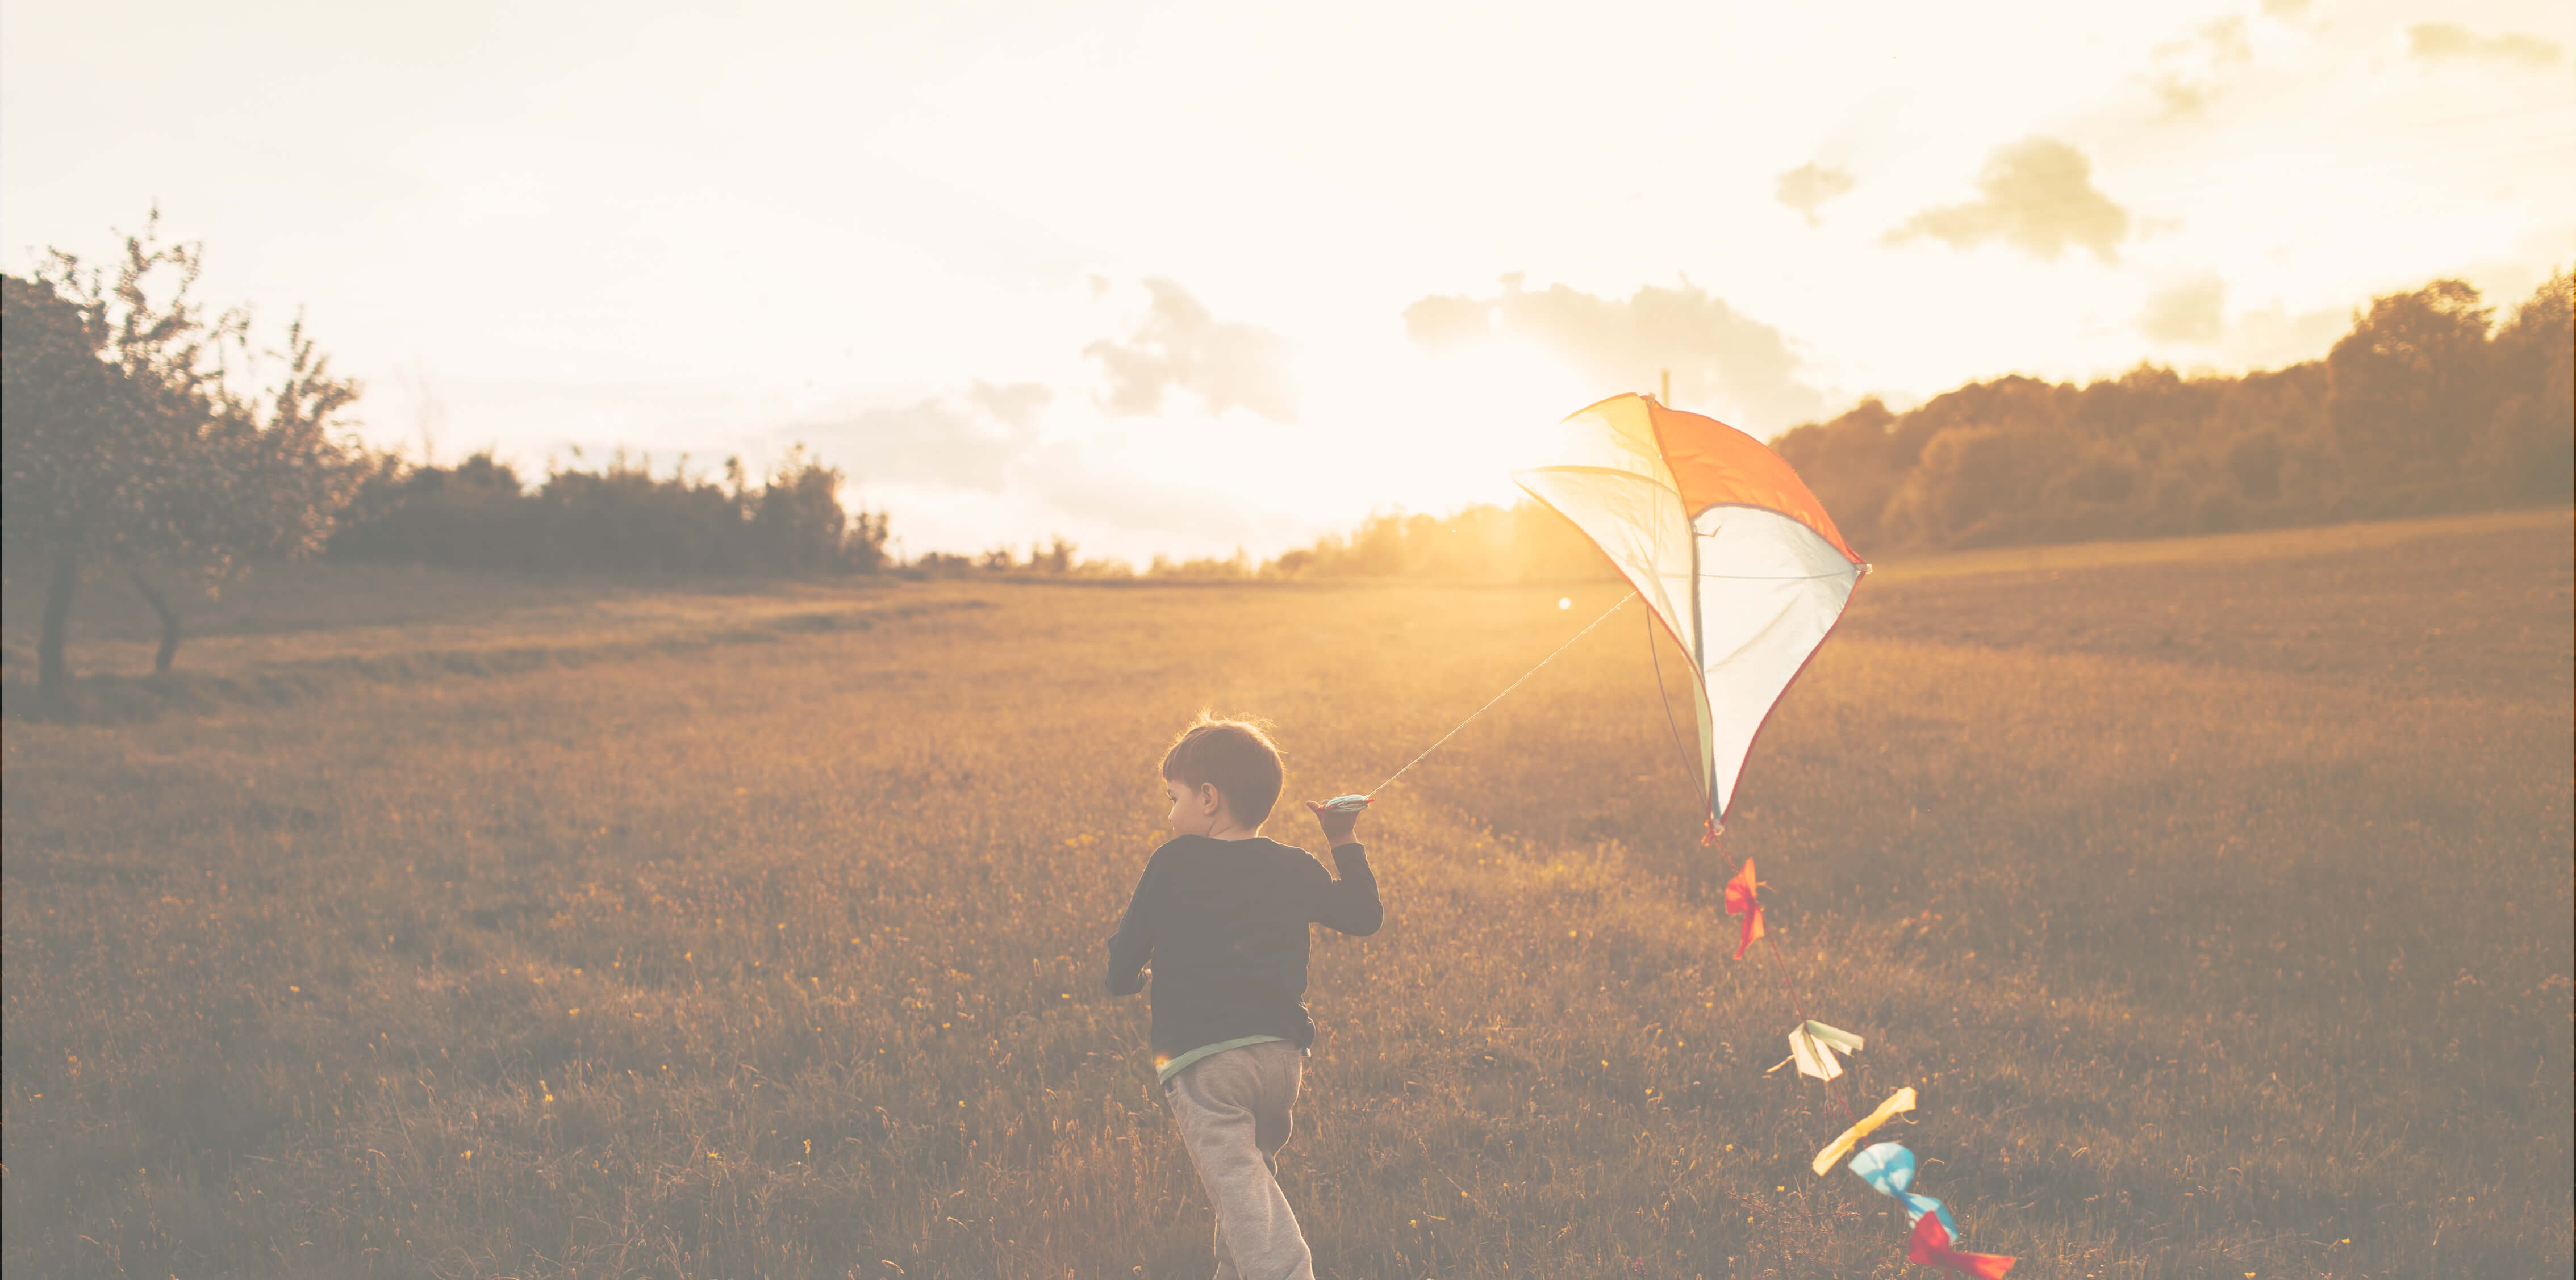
x=1337 y=824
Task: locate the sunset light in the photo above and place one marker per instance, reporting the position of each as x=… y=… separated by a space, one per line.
x=717 y=236
x=1355 y=640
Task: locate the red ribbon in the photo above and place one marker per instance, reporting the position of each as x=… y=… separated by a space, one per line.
x=1740 y=901
x=1930 y=1245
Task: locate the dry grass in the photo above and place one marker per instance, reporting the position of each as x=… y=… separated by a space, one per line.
x=781 y=958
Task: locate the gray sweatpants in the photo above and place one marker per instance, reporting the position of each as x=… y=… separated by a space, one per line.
x=1234 y=1110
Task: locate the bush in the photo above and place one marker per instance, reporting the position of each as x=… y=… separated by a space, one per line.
x=619 y=519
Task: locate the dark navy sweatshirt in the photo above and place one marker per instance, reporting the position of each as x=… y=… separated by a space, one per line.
x=1224 y=923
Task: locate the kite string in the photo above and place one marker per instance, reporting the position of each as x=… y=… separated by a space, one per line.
x=1471 y=717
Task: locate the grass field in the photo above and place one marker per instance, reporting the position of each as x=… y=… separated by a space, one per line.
x=2215 y=895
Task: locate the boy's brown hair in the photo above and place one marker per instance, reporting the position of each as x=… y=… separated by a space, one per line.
x=1237 y=758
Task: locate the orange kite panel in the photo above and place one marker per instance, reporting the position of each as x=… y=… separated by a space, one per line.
x=1714 y=463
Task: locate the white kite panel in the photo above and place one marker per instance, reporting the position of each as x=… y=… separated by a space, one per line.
x=1638 y=523
x=1770 y=588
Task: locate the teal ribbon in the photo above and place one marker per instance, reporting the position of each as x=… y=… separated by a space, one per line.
x=1889 y=1170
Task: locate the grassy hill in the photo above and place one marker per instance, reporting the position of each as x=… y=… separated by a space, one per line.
x=2214 y=894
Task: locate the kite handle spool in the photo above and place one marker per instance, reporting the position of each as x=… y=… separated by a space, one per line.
x=1345 y=804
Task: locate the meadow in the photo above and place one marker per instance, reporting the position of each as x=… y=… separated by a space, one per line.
x=2215 y=895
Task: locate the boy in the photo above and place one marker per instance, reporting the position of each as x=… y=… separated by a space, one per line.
x=1223 y=913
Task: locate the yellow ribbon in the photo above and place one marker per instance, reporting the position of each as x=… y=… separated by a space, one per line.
x=1901 y=1100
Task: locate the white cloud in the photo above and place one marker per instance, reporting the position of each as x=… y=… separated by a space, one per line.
x=1807 y=187
x=2195 y=65
x=1720 y=358
x=965 y=440
x=2036 y=195
x=1180 y=345
x=2188 y=311
x=648 y=225
x=2272 y=336
x=2449 y=42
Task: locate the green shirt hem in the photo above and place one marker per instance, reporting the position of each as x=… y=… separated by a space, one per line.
x=1164 y=1073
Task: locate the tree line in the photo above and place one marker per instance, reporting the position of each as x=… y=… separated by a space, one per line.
x=150 y=438
x=621 y=518
x=2426 y=406
x=136 y=446
x=1482 y=541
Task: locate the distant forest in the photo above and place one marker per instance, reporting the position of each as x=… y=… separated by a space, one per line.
x=482 y=514
x=2425 y=407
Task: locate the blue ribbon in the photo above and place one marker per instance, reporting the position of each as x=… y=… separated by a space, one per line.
x=1889 y=1170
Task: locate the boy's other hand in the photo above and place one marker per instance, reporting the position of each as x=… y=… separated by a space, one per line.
x=1338 y=825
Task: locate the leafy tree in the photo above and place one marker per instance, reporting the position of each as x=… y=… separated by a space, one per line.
x=1978 y=485
x=2255 y=462
x=460 y=515
x=2528 y=449
x=1054 y=557
x=863 y=544
x=1851 y=464
x=2411 y=386
x=2271 y=438
x=130 y=447
x=798 y=520
x=63 y=427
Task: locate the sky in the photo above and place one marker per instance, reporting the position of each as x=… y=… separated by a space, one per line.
x=1178 y=279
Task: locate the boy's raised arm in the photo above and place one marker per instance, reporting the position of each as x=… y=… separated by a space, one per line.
x=1348 y=902
x=1133 y=944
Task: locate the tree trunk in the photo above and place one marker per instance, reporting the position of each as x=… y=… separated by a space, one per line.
x=50 y=670
x=169 y=622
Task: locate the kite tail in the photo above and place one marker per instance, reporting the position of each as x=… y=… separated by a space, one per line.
x=1798 y=1009
x=1795 y=1008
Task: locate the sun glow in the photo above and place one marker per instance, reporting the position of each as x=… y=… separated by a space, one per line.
x=1431 y=431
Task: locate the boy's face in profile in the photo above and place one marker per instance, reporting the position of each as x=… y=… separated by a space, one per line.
x=1199 y=810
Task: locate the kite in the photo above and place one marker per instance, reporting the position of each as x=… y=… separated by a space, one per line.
x=1741 y=901
x=1812 y=1045
x=1724 y=543
x=1930 y=1245
x=1889 y=1170
x=1901 y=1100
x=1738 y=561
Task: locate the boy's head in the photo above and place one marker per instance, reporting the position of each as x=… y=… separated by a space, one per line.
x=1221 y=772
